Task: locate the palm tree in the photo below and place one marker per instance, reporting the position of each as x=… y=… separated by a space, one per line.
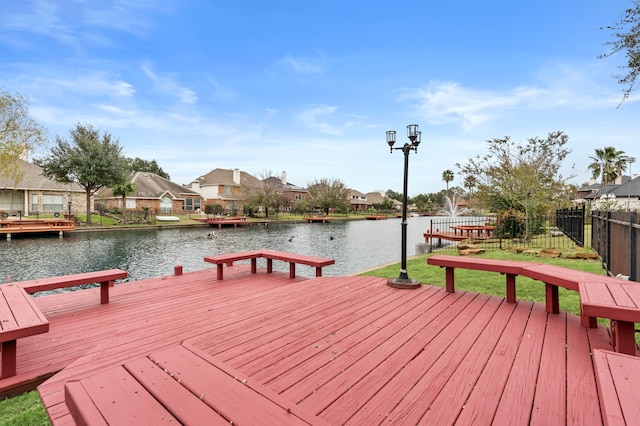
x=608 y=163
x=470 y=182
x=124 y=189
x=447 y=176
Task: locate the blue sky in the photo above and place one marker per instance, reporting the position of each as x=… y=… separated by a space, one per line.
x=311 y=87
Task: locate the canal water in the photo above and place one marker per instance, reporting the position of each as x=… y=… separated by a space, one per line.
x=355 y=245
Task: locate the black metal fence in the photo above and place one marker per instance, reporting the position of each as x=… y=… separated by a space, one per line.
x=614 y=236
x=571 y=222
x=493 y=233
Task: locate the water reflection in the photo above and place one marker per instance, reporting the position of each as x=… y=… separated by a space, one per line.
x=356 y=246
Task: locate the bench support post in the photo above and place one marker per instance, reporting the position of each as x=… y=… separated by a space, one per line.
x=318 y=271
x=292 y=270
x=269 y=266
x=449 y=280
x=8 y=359
x=511 y=288
x=552 y=300
x=219 y=274
x=623 y=337
x=587 y=321
x=254 y=265
x=104 y=291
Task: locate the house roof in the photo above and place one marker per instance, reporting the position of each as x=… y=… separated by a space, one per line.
x=150 y=185
x=629 y=188
x=375 y=197
x=33 y=179
x=225 y=177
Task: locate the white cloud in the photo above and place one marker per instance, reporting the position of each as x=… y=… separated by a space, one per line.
x=78 y=22
x=304 y=65
x=319 y=118
x=166 y=84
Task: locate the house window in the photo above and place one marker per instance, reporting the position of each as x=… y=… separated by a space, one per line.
x=34 y=203
x=299 y=197
x=196 y=203
x=166 y=205
x=228 y=189
x=187 y=204
x=130 y=203
x=51 y=202
x=11 y=200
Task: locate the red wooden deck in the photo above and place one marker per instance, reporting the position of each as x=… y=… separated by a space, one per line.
x=350 y=350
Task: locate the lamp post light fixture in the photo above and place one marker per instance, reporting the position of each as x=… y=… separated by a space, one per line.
x=403 y=280
x=630 y=161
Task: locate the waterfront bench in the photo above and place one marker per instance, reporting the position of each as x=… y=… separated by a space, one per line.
x=270 y=256
x=618 y=301
x=19 y=317
x=509 y=268
x=552 y=276
x=618 y=379
x=105 y=278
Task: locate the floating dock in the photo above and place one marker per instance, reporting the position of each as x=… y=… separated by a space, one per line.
x=39 y=226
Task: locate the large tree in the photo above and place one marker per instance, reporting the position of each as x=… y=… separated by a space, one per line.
x=268 y=194
x=20 y=134
x=90 y=160
x=139 y=165
x=329 y=194
x=608 y=163
x=519 y=177
x=626 y=34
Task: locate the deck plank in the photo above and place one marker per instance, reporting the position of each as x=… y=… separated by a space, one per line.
x=348 y=349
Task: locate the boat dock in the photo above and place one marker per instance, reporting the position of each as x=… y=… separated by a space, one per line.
x=318 y=219
x=326 y=350
x=41 y=226
x=377 y=217
x=222 y=222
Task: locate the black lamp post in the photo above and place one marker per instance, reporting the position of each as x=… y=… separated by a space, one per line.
x=403 y=280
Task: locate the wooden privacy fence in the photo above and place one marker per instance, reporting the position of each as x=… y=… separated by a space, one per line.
x=614 y=236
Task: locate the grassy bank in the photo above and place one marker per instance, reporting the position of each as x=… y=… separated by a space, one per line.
x=494 y=283
x=26 y=409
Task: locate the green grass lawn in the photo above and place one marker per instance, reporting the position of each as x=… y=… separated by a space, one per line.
x=27 y=409
x=494 y=283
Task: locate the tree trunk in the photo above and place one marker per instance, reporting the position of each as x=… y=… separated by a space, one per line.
x=88 y=208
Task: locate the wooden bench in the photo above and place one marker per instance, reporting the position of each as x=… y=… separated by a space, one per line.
x=618 y=301
x=19 y=317
x=552 y=276
x=106 y=279
x=618 y=379
x=178 y=385
x=509 y=268
x=271 y=255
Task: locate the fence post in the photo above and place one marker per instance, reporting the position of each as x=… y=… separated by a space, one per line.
x=633 y=220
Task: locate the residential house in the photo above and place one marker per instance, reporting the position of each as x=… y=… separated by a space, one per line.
x=227 y=187
x=290 y=192
x=624 y=194
x=358 y=201
x=35 y=194
x=155 y=193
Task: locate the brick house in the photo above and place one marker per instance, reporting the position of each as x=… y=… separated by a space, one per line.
x=227 y=187
x=34 y=194
x=155 y=193
x=290 y=192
